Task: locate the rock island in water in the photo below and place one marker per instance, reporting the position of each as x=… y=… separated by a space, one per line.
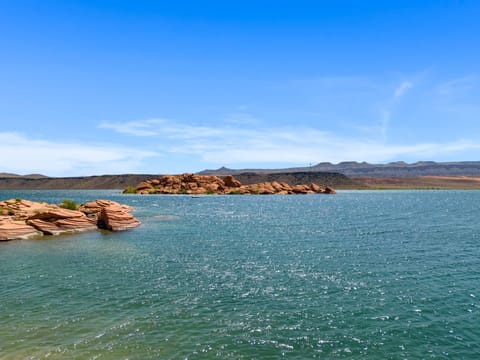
x=204 y=184
x=21 y=219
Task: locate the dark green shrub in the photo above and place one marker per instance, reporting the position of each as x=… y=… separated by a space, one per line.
x=130 y=190
x=69 y=204
x=236 y=192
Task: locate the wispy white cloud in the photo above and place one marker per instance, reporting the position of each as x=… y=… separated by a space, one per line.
x=361 y=102
x=241 y=118
x=376 y=117
x=385 y=123
x=402 y=89
x=297 y=145
x=459 y=96
x=458 y=86
x=159 y=127
x=387 y=108
x=138 y=128
x=29 y=155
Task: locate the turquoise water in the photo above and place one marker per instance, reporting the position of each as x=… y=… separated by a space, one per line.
x=372 y=275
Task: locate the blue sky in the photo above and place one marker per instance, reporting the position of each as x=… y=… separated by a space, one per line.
x=111 y=87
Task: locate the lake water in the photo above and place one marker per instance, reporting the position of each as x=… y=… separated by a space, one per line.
x=360 y=274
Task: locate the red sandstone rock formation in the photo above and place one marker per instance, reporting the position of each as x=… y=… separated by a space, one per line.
x=23 y=218
x=198 y=184
x=115 y=218
x=54 y=222
x=329 y=190
x=230 y=181
x=144 y=186
x=15 y=229
x=93 y=208
x=23 y=209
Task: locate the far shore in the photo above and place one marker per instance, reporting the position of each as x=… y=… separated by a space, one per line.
x=335 y=180
x=416 y=182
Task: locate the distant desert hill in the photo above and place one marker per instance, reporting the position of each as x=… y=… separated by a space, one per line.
x=123 y=181
x=29 y=176
x=345 y=175
x=82 y=182
x=361 y=169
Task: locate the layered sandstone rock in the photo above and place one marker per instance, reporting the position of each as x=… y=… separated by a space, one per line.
x=23 y=209
x=56 y=221
x=23 y=218
x=198 y=184
x=93 y=208
x=115 y=218
x=16 y=229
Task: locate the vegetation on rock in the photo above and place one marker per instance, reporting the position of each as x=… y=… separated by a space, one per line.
x=130 y=190
x=69 y=204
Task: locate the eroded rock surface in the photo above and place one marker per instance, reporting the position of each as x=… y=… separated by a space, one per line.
x=115 y=218
x=205 y=184
x=20 y=219
x=16 y=229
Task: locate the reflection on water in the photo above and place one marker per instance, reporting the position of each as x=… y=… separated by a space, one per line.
x=356 y=275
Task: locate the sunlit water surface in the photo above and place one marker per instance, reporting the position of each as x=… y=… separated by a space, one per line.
x=373 y=275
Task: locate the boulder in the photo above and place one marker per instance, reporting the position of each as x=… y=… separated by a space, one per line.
x=210 y=188
x=22 y=209
x=11 y=229
x=277 y=186
x=76 y=224
x=191 y=186
x=329 y=190
x=145 y=186
x=301 y=189
x=61 y=220
x=285 y=186
x=316 y=188
x=115 y=218
x=93 y=208
x=231 y=182
x=52 y=215
x=262 y=188
x=46 y=227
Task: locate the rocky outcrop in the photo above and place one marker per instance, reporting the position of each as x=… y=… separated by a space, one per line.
x=16 y=229
x=93 y=208
x=230 y=181
x=115 y=218
x=330 y=190
x=21 y=219
x=207 y=184
x=57 y=221
x=23 y=209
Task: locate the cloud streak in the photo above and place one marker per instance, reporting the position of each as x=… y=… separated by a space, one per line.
x=236 y=145
x=67 y=158
x=389 y=108
x=402 y=89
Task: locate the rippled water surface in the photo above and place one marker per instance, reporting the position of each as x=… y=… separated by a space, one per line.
x=377 y=275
